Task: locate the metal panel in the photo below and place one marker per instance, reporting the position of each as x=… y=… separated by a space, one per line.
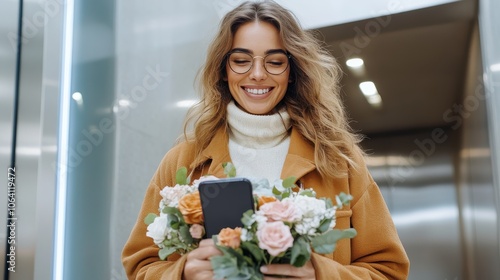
x=9 y=11
x=489 y=24
x=49 y=120
x=91 y=142
x=28 y=138
x=479 y=190
x=416 y=176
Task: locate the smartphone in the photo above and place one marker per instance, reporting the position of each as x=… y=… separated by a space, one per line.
x=223 y=203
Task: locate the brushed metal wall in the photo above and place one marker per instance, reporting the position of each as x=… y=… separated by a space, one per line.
x=28 y=127
x=416 y=176
x=9 y=11
x=477 y=175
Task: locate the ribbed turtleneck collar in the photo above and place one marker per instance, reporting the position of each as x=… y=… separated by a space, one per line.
x=257 y=131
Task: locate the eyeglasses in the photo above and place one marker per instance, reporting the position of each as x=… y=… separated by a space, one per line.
x=241 y=62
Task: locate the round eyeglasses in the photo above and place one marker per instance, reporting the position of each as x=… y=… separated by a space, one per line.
x=241 y=62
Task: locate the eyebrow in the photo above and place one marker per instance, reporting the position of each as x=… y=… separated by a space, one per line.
x=251 y=52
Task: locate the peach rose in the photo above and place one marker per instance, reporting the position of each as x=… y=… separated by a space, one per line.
x=275 y=237
x=280 y=211
x=197 y=231
x=190 y=207
x=266 y=199
x=230 y=237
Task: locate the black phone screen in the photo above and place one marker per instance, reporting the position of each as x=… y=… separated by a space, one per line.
x=223 y=203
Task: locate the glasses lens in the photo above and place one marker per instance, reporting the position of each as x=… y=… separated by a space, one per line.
x=276 y=63
x=240 y=62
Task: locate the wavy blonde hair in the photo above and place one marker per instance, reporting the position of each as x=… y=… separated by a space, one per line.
x=312 y=98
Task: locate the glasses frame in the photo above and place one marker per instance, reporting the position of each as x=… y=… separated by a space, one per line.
x=288 y=56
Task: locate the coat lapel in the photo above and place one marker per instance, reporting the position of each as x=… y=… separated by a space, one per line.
x=298 y=162
x=300 y=158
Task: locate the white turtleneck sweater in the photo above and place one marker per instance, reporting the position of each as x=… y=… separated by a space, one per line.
x=258 y=144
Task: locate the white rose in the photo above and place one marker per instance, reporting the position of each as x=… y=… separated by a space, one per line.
x=203 y=178
x=158 y=229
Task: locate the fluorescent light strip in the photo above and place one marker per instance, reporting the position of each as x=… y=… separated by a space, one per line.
x=368 y=88
x=495 y=67
x=62 y=168
x=355 y=62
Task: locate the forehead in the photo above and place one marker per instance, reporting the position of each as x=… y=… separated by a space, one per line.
x=258 y=37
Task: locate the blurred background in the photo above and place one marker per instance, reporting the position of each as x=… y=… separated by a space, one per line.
x=95 y=93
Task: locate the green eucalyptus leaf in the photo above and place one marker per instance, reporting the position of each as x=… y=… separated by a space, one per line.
x=173 y=211
x=256 y=252
x=150 y=218
x=229 y=169
x=344 y=198
x=308 y=192
x=301 y=252
x=328 y=202
x=289 y=182
x=165 y=252
x=247 y=219
x=174 y=225
x=276 y=191
x=325 y=225
x=285 y=194
x=181 y=176
x=185 y=235
x=224 y=266
x=325 y=243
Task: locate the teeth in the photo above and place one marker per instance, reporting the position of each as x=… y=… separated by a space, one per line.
x=257 y=91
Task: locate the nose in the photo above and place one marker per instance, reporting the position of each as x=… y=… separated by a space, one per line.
x=258 y=72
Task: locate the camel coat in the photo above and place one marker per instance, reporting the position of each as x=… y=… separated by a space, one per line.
x=375 y=253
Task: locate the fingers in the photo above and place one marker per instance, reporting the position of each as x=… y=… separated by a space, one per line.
x=205 y=250
x=305 y=272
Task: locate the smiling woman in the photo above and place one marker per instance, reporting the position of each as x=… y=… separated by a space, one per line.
x=257 y=83
x=270 y=105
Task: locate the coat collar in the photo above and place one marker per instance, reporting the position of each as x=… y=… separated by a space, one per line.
x=298 y=162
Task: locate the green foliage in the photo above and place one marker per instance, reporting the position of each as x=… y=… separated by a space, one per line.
x=185 y=235
x=289 y=182
x=181 y=176
x=247 y=219
x=301 y=252
x=256 y=252
x=229 y=169
x=150 y=218
x=343 y=199
x=325 y=243
x=165 y=252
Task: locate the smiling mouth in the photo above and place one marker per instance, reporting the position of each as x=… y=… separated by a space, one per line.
x=257 y=91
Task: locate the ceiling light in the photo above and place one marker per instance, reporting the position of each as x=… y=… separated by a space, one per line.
x=368 y=88
x=375 y=100
x=186 y=103
x=354 y=62
x=495 y=67
x=77 y=96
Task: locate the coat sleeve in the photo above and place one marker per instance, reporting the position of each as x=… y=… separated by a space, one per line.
x=376 y=252
x=140 y=254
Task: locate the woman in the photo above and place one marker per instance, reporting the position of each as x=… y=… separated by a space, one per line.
x=271 y=106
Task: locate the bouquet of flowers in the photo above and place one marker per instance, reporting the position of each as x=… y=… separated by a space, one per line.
x=283 y=228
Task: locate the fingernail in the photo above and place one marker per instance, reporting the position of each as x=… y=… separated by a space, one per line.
x=263 y=269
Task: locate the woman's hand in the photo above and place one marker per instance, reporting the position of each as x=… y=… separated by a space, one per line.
x=198 y=264
x=274 y=271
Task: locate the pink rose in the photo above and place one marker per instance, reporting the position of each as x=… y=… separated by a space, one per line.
x=280 y=211
x=197 y=231
x=275 y=237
